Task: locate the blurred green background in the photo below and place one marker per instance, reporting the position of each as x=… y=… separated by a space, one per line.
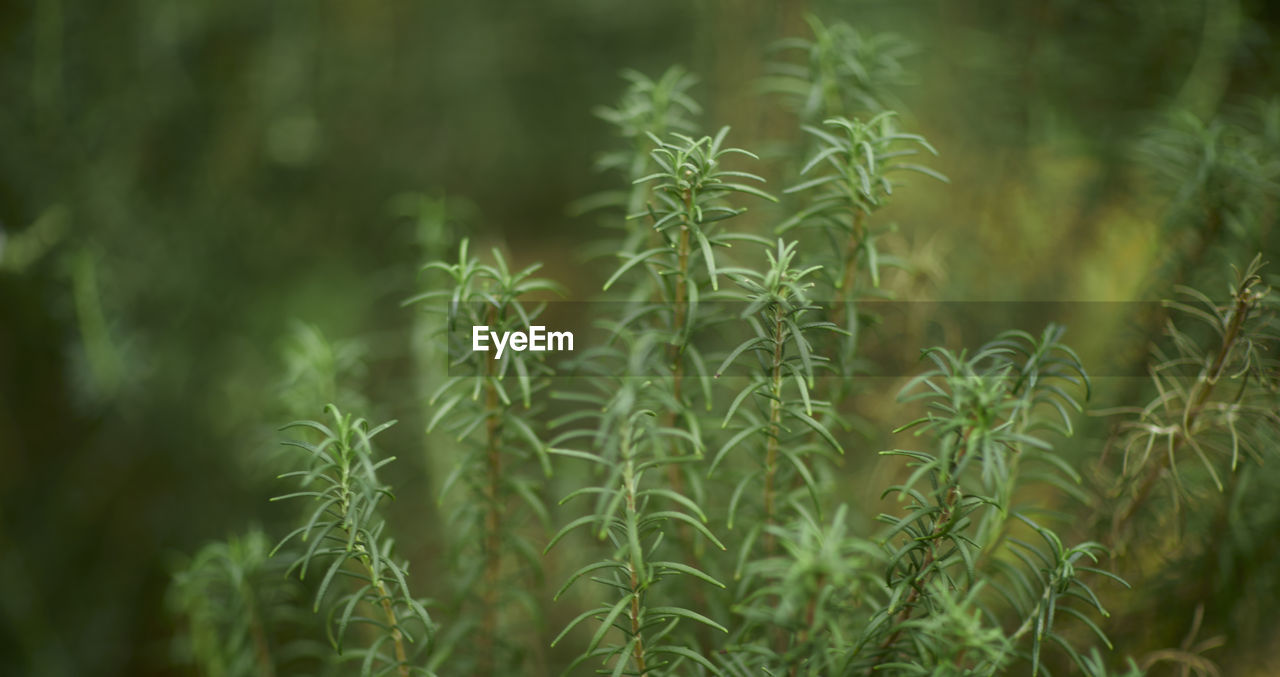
x=181 y=182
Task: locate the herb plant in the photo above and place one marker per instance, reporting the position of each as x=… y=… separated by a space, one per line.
x=709 y=522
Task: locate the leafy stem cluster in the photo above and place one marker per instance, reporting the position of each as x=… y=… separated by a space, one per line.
x=345 y=535
x=1216 y=395
x=779 y=409
x=853 y=167
x=489 y=407
x=986 y=413
x=633 y=516
x=972 y=571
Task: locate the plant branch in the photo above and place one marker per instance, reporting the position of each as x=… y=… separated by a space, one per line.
x=1202 y=391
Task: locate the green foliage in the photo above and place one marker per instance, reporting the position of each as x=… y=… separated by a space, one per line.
x=814 y=594
x=646 y=109
x=183 y=179
x=635 y=516
x=688 y=191
x=842 y=71
x=986 y=414
x=756 y=558
x=319 y=371
x=687 y=212
x=345 y=538
x=489 y=410
x=1221 y=174
x=779 y=410
x=239 y=609
x=856 y=160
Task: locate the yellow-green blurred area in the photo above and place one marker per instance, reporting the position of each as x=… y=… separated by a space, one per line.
x=183 y=182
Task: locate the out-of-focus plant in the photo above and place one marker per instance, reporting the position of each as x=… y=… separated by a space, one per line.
x=1216 y=401
x=319 y=371
x=240 y=610
x=1222 y=180
x=805 y=604
x=841 y=71
x=647 y=108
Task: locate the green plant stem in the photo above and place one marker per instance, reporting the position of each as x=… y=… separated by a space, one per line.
x=261 y=648
x=810 y=612
x=775 y=427
x=388 y=611
x=849 y=277
x=634 y=565
x=1032 y=615
x=493 y=517
x=384 y=599
x=674 y=478
x=949 y=502
x=678 y=322
x=677 y=361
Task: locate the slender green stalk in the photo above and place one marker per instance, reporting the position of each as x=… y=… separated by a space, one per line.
x=775 y=427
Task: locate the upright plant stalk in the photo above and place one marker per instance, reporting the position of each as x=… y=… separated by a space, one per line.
x=237 y=606
x=477 y=407
x=494 y=505
x=777 y=308
x=629 y=443
x=648 y=109
x=775 y=422
x=688 y=210
x=678 y=202
x=855 y=163
x=689 y=190
x=345 y=531
x=635 y=563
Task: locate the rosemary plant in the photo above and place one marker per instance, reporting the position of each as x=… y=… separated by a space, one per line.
x=778 y=424
x=345 y=536
x=242 y=614
x=489 y=408
x=1216 y=400
x=859 y=159
x=841 y=71
x=806 y=604
x=634 y=516
x=779 y=410
x=986 y=414
x=757 y=558
x=647 y=108
x=688 y=211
